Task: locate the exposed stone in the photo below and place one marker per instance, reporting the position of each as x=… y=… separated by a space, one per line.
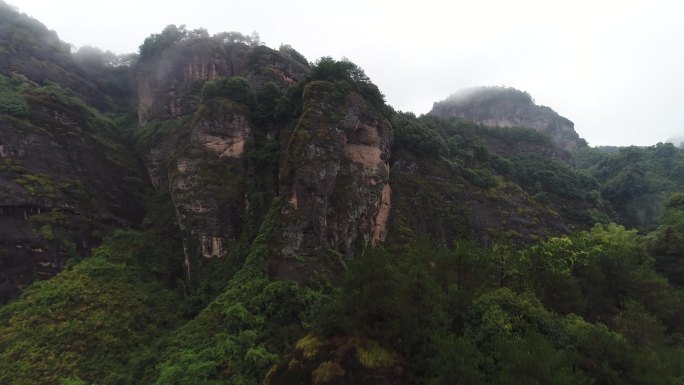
x=211 y=246
x=507 y=107
x=225 y=136
x=339 y=167
x=168 y=83
x=382 y=217
x=53 y=165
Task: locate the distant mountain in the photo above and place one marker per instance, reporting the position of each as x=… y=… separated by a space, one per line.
x=508 y=107
x=29 y=48
x=637 y=181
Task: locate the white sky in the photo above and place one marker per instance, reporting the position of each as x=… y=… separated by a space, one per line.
x=615 y=68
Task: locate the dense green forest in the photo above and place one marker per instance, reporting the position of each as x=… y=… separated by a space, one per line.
x=637 y=181
x=598 y=306
x=503 y=258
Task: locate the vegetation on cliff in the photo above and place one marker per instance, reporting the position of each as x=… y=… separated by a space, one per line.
x=500 y=264
x=636 y=180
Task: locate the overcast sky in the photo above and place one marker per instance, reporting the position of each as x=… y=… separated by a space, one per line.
x=615 y=68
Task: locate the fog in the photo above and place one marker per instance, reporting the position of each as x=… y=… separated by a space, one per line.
x=612 y=67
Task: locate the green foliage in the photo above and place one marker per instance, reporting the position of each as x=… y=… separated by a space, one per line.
x=154 y=132
x=505 y=315
x=489 y=95
x=331 y=70
x=244 y=331
x=372 y=355
x=667 y=242
x=519 y=135
x=72 y=381
x=326 y=372
x=288 y=50
x=158 y=42
x=539 y=174
x=36 y=184
x=412 y=134
x=636 y=180
x=266 y=104
x=236 y=89
x=233 y=37
x=87 y=322
x=12 y=101
x=457 y=361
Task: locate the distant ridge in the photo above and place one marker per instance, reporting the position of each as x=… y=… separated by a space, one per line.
x=508 y=107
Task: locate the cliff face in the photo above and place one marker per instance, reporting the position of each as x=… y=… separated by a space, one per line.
x=168 y=83
x=335 y=181
x=507 y=107
x=65 y=183
x=218 y=164
x=331 y=175
x=206 y=181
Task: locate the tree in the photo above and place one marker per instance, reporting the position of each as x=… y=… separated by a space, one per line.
x=667 y=242
x=235 y=88
x=158 y=42
x=329 y=69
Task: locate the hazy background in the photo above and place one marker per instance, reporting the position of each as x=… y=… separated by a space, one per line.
x=615 y=68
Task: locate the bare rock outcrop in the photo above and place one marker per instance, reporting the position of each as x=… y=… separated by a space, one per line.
x=63 y=185
x=508 y=107
x=335 y=177
x=168 y=83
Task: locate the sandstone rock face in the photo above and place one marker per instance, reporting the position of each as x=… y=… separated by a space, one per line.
x=205 y=184
x=62 y=186
x=335 y=177
x=380 y=222
x=168 y=83
x=507 y=107
x=204 y=165
x=225 y=135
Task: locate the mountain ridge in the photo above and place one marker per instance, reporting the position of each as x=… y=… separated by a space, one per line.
x=508 y=107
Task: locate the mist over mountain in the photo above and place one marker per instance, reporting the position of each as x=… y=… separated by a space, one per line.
x=508 y=107
x=212 y=210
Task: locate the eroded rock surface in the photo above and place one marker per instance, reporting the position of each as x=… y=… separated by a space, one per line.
x=336 y=172
x=168 y=83
x=507 y=107
x=63 y=186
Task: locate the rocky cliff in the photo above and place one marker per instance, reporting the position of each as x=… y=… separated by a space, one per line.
x=258 y=177
x=168 y=82
x=66 y=181
x=329 y=154
x=335 y=181
x=226 y=126
x=508 y=107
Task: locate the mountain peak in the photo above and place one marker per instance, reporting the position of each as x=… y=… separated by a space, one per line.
x=500 y=106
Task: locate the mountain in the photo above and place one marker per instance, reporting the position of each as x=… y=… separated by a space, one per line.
x=637 y=181
x=216 y=211
x=67 y=177
x=508 y=107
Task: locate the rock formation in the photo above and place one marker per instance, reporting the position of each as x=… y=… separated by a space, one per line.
x=63 y=186
x=336 y=170
x=508 y=107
